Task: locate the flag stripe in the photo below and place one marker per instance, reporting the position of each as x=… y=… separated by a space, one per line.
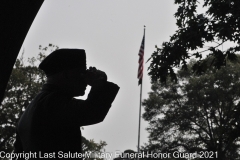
x=140 y=61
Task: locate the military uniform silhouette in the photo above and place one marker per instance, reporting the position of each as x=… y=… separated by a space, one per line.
x=51 y=123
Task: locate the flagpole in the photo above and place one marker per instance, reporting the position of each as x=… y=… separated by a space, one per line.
x=140 y=106
x=139 y=123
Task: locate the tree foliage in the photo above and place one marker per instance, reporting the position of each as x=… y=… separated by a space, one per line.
x=93 y=147
x=90 y=145
x=196 y=31
x=200 y=113
x=25 y=82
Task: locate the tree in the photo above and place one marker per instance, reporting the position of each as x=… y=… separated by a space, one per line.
x=24 y=83
x=196 y=31
x=91 y=146
x=200 y=113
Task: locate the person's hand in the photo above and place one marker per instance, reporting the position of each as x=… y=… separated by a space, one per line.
x=94 y=75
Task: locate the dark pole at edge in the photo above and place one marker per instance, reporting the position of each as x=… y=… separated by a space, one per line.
x=16 y=17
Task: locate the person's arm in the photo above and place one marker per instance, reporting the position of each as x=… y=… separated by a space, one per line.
x=74 y=112
x=95 y=108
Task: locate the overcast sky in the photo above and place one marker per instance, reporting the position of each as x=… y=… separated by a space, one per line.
x=111 y=32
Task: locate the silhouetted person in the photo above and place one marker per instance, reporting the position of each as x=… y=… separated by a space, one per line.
x=51 y=122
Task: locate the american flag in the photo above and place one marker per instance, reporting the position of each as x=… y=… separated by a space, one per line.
x=140 y=61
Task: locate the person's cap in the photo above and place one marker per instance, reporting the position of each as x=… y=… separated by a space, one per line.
x=64 y=59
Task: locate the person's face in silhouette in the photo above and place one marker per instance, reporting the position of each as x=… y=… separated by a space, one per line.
x=75 y=81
